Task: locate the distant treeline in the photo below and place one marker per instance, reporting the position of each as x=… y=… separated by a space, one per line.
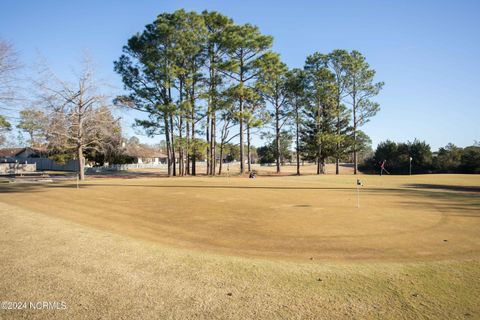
x=450 y=159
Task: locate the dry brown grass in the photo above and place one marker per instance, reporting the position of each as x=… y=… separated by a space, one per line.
x=176 y=248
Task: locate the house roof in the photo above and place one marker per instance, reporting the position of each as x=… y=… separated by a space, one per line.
x=11 y=152
x=144 y=152
x=154 y=154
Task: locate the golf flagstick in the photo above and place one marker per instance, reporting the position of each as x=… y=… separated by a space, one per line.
x=358 y=197
x=359 y=184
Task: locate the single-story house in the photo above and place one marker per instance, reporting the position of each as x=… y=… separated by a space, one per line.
x=153 y=158
x=146 y=155
x=20 y=154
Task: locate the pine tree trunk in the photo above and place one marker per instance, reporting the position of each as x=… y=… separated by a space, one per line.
x=180 y=131
x=354 y=109
x=337 y=147
x=187 y=148
x=355 y=162
x=297 y=139
x=242 y=151
x=221 y=159
x=208 y=139
x=277 y=136
x=213 y=162
x=180 y=147
x=248 y=149
x=211 y=106
x=172 y=136
x=319 y=141
x=169 y=147
x=194 y=145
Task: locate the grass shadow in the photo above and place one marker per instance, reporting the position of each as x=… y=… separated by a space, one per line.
x=456 y=188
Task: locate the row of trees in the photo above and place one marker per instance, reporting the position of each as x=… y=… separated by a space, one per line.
x=200 y=75
x=71 y=119
x=206 y=83
x=449 y=159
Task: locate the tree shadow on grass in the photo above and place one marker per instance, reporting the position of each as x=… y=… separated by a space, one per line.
x=33 y=187
x=449 y=200
x=127 y=175
x=457 y=188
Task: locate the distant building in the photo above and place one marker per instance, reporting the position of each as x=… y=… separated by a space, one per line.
x=152 y=158
x=20 y=154
x=143 y=154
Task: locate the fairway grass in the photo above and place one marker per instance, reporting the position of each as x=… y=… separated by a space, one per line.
x=268 y=248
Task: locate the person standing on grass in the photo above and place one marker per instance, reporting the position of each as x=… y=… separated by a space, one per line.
x=382 y=167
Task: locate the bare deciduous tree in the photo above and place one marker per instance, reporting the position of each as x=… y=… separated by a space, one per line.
x=78 y=113
x=9 y=67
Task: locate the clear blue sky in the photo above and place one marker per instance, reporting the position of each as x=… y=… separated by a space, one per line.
x=427 y=52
